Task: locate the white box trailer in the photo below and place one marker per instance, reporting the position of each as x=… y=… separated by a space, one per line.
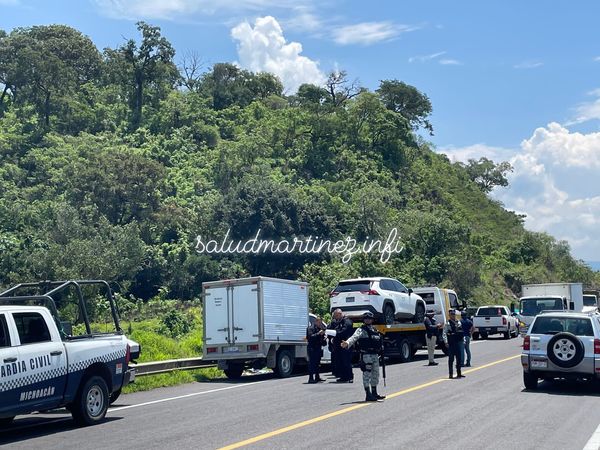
x=255 y=322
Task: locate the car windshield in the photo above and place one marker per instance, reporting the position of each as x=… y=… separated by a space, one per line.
x=353 y=286
x=553 y=325
x=534 y=306
x=490 y=311
x=589 y=300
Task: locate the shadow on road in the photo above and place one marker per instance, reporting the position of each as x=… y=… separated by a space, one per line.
x=32 y=427
x=566 y=387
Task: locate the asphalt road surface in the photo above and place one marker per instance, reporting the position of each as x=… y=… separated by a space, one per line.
x=487 y=409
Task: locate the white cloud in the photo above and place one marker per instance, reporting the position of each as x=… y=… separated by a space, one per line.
x=368 y=33
x=588 y=110
x=425 y=58
x=174 y=9
x=264 y=49
x=528 y=65
x=554 y=183
x=597 y=59
x=452 y=62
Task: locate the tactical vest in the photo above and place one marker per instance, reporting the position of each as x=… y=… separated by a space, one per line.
x=370 y=343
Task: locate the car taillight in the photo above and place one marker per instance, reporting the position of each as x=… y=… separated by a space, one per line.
x=211 y=350
x=252 y=348
x=527 y=343
x=596 y=346
x=333 y=294
x=504 y=321
x=370 y=292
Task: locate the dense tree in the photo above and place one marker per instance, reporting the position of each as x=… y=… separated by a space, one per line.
x=407 y=101
x=486 y=174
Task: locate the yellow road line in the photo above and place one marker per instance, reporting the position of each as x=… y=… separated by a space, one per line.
x=295 y=426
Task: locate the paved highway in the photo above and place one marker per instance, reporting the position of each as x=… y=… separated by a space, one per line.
x=487 y=409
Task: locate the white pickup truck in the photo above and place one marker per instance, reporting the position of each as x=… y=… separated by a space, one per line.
x=43 y=366
x=496 y=319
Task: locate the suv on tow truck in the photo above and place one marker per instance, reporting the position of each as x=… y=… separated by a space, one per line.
x=561 y=345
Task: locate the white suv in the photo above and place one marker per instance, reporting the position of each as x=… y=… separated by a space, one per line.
x=388 y=299
x=561 y=345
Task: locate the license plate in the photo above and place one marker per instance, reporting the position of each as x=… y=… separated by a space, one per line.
x=231 y=349
x=539 y=364
x=349 y=299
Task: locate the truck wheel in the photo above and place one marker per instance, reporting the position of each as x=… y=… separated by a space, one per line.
x=91 y=402
x=405 y=350
x=443 y=347
x=419 y=316
x=530 y=380
x=285 y=364
x=476 y=336
x=234 y=371
x=565 y=350
x=507 y=334
x=484 y=336
x=6 y=421
x=114 y=396
x=388 y=314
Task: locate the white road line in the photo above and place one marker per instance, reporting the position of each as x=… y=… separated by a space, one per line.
x=194 y=394
x=594 y=442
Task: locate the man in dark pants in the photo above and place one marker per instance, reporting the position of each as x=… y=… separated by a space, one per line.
x=334 y=349
x=453 y=337
x=344 y=330
x=467 y=327
x=315 y=335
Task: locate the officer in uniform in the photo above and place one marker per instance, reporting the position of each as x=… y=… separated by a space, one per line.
x=453 y=337
x=370 y=343
x=315 y=335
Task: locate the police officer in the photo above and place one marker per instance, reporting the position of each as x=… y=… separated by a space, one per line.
x=453 y=337
x=370 y=343
x=315 y=335
x=431 y=329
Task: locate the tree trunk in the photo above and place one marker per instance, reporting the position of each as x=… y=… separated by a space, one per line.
x=2 y=100
x=47 y=109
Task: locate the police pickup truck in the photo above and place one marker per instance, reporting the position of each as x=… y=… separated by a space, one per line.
x=44 y=366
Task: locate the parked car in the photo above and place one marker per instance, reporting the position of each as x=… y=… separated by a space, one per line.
x=495 y=319
x=561 y=345
x=387 y=298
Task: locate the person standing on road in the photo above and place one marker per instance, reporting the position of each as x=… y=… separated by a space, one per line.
x=315 y=335
x=370 y=343
x=344 y=329
x=334 y=348
x=453 y=337
x=432 y=329
x=467 y=328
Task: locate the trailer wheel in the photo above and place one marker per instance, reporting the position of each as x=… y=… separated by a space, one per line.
x=388 y=314
x=234 y=371
x=285 y=364
x=405 y=350
x=419 y=316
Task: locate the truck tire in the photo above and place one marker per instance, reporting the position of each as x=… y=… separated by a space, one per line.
x=508 y=334
x=114 y=396
x=285 y=363
x=234 y=371
x=530 y=380
x=91 y=401
x=405 y=350
x=6 y=421
x=419 y=316
x=388 y=314
x=484 y=336
x=565 y=350
x=443 y=347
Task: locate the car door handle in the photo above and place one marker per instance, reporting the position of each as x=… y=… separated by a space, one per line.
x=56 y=353
x=10 y=360
x=237 y=329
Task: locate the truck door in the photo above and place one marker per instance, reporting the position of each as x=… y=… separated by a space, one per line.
x=42 y=362
x=217 y=315
x=9 y=355
x=244 y=313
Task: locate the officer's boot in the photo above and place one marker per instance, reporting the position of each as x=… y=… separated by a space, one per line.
x=311 y=380
x=375 y=394
x=451 y=374
x=459 y=374
x=369 y=397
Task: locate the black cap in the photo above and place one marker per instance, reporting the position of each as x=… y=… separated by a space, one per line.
x=368 y=315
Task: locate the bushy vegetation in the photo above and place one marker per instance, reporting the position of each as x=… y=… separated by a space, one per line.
x=112 y=162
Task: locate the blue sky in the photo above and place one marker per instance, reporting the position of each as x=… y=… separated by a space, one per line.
x=510 y=80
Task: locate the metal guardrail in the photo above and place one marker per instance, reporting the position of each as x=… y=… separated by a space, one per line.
x=169 y=365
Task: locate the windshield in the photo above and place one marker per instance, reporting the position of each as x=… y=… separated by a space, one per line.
x=353 y=286
x=589 y=300
x=490 y=311
x=553 y=325
x=534 y=306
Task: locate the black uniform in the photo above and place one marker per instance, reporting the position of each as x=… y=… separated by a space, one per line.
x=344 y=330
x=316 y=342
x=453 y=335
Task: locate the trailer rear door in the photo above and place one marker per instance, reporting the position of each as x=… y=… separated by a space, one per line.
x=216 y=313
x=245 y=313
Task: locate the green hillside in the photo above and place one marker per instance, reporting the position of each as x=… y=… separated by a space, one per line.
x=112 y=162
